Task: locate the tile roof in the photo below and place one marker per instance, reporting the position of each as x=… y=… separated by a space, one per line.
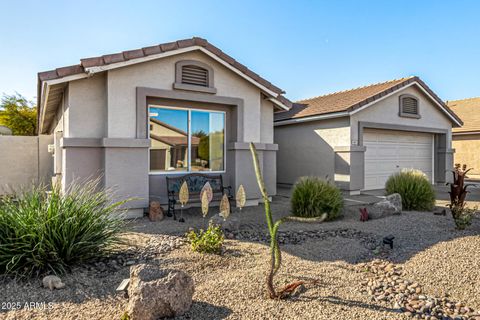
x=469 y=111
x=349 y=100
x=147 y=51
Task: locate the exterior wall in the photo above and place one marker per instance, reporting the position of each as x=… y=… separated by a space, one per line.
x=467 y=151
x=386 y=111
x=386 y=114
x=308 y=149
x=100 y=128
x=28 y=161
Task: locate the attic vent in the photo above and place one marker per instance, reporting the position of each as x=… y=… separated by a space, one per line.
x=409 y=107
x=195 y=75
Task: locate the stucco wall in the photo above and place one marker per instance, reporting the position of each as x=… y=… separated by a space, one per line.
x=105 y=106
x=308 y=148
x=467 y=151
x=386 y=111
x=24 y=160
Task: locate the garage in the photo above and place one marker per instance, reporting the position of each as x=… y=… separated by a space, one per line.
x=389 y=151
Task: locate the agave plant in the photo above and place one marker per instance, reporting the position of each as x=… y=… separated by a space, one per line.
x=275 y=252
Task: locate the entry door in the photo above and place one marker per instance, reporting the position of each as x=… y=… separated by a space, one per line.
x=390 y=151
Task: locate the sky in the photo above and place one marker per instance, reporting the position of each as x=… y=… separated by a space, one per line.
x=307 y=48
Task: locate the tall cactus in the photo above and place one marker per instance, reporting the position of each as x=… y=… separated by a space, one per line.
x=275 y=252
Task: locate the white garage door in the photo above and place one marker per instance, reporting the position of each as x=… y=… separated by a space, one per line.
x=390 y=151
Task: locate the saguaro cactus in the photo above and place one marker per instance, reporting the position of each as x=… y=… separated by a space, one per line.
x=275 y=252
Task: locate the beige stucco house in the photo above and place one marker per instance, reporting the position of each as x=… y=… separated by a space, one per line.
x=359 y=137
x=138 y=116
x=466 y=140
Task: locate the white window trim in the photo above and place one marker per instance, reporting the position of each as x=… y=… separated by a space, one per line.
x=189 y=136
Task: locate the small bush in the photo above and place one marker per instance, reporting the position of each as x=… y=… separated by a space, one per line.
x=208 y=241
x=43 y=233
x=416 y=190
x=313 y=196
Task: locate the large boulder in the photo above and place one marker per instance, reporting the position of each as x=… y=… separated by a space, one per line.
x=391 y=205
x=157 y=293
x=231 y=224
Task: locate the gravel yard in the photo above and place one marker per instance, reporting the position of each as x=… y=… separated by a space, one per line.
x=427 y=248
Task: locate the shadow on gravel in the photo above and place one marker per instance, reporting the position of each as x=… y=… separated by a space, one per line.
x=205 y=311
x=346 y=239
x=353 y=303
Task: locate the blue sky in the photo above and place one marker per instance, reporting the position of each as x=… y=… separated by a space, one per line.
x=307 y=48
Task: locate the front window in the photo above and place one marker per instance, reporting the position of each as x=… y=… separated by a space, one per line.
x=186 y=140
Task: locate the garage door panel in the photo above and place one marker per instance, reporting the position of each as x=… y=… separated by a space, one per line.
x=390 y=151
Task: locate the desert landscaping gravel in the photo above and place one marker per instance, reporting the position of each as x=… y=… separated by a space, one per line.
x=329 y=256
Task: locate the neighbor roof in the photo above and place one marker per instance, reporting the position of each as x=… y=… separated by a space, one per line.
x=350 y=100
x=469 y=111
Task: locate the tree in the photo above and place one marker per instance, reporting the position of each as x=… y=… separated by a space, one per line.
x=18 y=114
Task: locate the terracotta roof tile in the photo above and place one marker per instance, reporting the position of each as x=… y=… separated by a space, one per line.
x=113 y=58
x=469 y=111
x=152 y=50
x=138 y=53
x=349 y=100
x=133 y=54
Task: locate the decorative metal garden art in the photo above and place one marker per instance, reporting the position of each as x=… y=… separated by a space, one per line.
x=276 y=257
x=224 y=207
x=206 y=195
x=240 y=197
x=183 y=197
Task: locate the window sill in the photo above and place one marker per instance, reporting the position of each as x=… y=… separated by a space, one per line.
x=189 y=87
x=183 y=173
x=408 y=115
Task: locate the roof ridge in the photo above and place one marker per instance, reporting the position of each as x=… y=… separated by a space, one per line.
x=471 y=98
x=353 y=89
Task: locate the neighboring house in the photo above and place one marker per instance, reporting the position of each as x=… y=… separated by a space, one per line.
x=359 y=137
x=138 y=116
x=466 y=140
x=5 y=131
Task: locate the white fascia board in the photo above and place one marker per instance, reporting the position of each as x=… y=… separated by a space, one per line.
x=312 y=118
x=465 y=133
x=403 y=88
x=278 y=103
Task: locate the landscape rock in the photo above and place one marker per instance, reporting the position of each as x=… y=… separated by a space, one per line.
x=231 y=224
x=53 y=282
x=155 y=212
x=157 y=293
x=391 y=205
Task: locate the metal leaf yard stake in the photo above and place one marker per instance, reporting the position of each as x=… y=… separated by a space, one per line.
x=183 y=197
x=241 y=198
x=275 y=253
x=206 y=195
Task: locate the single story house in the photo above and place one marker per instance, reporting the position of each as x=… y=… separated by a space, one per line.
x=466 y=140
x=138 y=116
x=359 y=137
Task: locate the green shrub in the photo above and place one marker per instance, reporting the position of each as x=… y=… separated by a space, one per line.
x=44 y=232
x=208 y=241
x=415 y=188
x=313 y=196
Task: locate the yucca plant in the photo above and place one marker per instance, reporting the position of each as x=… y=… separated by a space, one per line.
x=275 y=252
x=45 y=232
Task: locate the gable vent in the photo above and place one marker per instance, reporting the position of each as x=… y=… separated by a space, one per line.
x=409 y=105
x=194 y=75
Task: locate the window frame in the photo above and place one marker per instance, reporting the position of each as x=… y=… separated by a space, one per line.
x=400 y=107
x=190 y=87
x=189 y=139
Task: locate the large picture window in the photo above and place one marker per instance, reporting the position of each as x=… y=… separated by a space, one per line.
x=186 y=140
